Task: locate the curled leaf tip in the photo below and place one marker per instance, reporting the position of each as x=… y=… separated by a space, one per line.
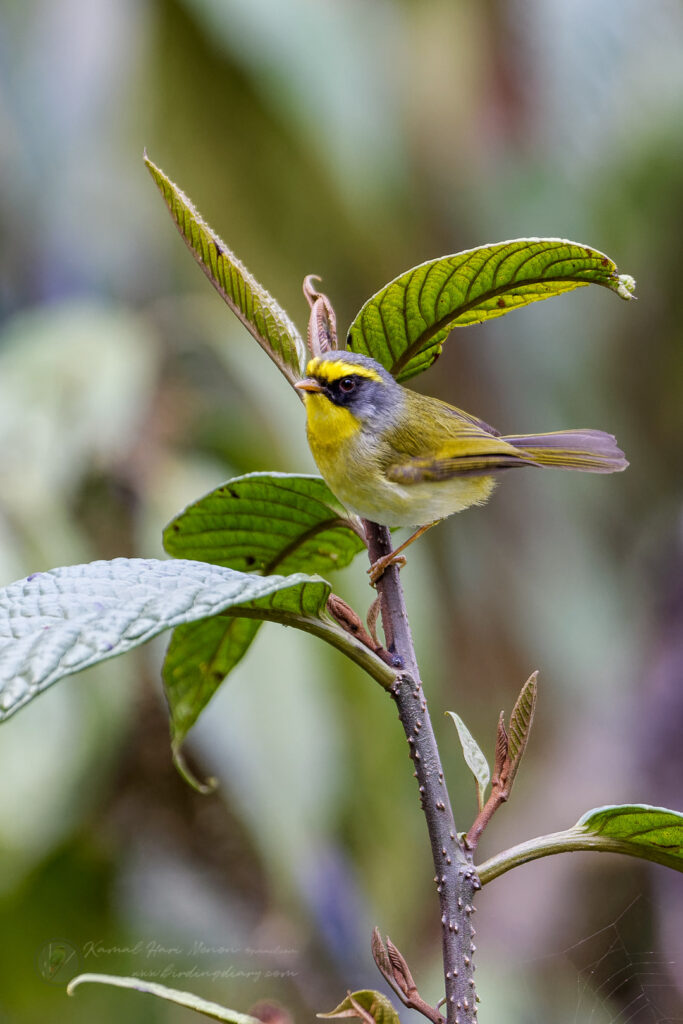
x=626 y=286
x=309 y=287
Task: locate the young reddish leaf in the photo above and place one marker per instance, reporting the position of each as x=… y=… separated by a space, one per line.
x=521 y=720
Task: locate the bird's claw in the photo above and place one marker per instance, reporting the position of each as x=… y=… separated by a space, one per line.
x=379 y=567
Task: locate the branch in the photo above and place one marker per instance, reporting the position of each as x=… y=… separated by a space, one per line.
x=456 y=878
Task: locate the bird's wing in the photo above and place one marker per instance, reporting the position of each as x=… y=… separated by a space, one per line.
x=460 y=414
x=478 y=455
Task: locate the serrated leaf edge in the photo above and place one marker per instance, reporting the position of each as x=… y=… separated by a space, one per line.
x=521 y=721
x=266 y=300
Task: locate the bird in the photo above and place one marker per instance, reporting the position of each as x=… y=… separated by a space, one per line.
x=399 y=458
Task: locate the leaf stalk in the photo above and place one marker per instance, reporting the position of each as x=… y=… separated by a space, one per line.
x=571 y=840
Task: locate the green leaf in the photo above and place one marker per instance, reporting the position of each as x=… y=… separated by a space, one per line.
x=637 y=830
x=58 y=622
x=374 y=1003
x=521 y=720
x=405 y=324
x=250 y=302
x=651 y=832
x=172 y=995
x=199 y=657
x=260 y=522
x=266 y=522
x=476 y=762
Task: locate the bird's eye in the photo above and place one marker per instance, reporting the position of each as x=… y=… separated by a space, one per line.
x=347 y=384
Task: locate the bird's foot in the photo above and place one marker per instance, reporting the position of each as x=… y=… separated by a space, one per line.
x=379 y=567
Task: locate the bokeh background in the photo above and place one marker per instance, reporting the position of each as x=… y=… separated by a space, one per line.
x=353 y=140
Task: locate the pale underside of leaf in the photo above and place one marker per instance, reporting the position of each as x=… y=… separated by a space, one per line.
x=263 y=317
x=405 y=324
x=636 y=830
x=59 y=622
x=474 y=757
x=171 y=995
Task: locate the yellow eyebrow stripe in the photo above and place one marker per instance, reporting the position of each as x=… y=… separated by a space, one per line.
x=333 y=369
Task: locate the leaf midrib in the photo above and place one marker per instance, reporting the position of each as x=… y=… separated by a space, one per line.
x=427 y=335
x=302 y=538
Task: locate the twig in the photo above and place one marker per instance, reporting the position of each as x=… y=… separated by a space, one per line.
x=500 y=787
x=392 y=965
x=509 y=752
x=456 y=879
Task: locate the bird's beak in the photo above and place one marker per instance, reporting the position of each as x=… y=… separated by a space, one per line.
x=308 y=384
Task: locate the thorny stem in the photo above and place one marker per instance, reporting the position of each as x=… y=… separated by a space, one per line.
x=456 y=878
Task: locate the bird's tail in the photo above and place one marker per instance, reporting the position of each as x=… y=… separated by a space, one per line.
x=589 y=450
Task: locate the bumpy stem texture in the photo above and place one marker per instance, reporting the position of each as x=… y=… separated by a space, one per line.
x=455 y=876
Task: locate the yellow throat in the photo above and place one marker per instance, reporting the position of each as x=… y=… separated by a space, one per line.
x=330 y=425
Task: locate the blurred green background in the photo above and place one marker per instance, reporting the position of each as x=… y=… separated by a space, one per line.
x=352 y=140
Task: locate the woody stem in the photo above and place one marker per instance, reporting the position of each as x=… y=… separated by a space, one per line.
x=455 y=876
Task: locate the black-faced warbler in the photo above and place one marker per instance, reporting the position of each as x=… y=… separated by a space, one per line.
x=403 y=459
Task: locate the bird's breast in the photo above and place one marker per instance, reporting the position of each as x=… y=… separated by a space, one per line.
x=353 y=463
